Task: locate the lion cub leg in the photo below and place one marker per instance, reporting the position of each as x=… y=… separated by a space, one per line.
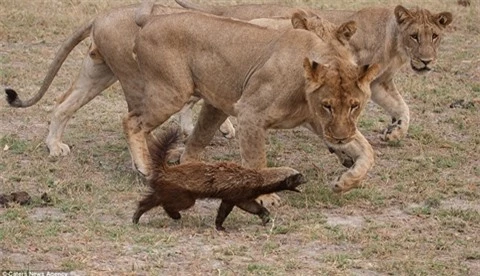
x=362 y=154
x=209 y=120
x=387 y=96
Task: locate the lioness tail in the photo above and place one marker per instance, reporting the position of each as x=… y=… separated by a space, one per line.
x=202 y=8
x=143 y=12
x=68 y=45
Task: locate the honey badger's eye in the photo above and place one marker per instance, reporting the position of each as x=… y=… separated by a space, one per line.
x=414 y=37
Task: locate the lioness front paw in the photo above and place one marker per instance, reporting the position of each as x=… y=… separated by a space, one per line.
x=58 y=149
x=342 y=186
x=269 y=200
x=343 y=157
x=394 y=132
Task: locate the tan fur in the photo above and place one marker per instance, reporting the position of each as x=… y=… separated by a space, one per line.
x=266 y=78
x=109 y=59
x=176 y=188
x=390 y=37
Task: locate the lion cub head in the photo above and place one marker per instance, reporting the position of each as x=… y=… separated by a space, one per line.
x=337 y=89
x=421 y=32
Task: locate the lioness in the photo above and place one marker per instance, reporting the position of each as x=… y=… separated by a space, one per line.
x=109 y=59
x=264 y=77
x=391 y=39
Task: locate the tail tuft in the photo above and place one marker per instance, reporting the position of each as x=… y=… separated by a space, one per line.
x=12 y=98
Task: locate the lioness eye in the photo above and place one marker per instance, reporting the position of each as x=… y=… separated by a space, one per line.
x=414 y=37
x=354 y=106
x=328 y=107
x=434 y=36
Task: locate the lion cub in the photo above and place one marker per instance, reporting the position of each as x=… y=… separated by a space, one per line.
x=176 y=188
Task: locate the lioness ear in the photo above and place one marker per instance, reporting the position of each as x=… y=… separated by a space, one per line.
x=346 y=31
x=314 y=74
x=443 y=19
x=299 y=20
x=369 y=74
x=401 y=14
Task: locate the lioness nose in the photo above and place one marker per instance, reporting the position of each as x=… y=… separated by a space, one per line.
x=341 y=140
x=426 y=61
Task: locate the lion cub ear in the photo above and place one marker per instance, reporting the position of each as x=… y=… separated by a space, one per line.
x=346 y=31
x=314 y=74
x=443 y=19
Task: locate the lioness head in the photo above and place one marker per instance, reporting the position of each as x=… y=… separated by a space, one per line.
x=336 y=97
x=421 y=32
x=324 y=29
x=338 y=90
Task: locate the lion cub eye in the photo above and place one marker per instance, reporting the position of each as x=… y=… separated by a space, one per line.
x=434 y=36
x=414 y=37
x=354 y=106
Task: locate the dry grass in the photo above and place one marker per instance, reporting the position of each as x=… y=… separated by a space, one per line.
x=419 y=213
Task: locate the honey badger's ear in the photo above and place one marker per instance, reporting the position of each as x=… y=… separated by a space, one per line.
x=314 y=74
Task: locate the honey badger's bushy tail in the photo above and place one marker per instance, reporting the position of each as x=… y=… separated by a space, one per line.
x=159 y=148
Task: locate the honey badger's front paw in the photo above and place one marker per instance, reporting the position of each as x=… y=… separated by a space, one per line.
x=395 y=132
x=269 y=200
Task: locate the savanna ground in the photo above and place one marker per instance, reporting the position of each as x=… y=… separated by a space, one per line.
x=417 y=214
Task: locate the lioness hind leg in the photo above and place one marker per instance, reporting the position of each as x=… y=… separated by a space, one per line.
x=165 y=100
x=209 y=120
x=94 y=77
x=186 y=121
x=185 y=116
x=387 y=96
x=227 y=129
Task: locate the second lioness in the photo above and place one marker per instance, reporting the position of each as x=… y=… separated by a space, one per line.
x=266 y=78
x=387 y=36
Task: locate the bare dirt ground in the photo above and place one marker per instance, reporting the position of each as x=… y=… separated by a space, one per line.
x=417 y=214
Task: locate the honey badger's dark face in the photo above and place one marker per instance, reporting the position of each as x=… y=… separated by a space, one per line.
x=286 y=178
x=293 y=181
